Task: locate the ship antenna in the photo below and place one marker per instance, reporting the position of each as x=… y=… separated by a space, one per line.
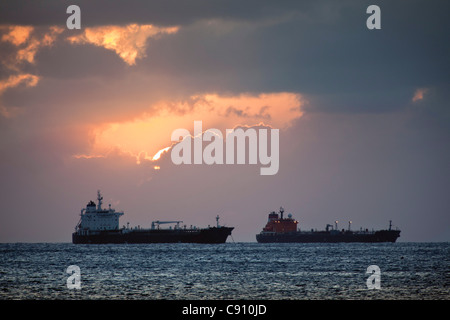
x=217 y=221
x=99 y=198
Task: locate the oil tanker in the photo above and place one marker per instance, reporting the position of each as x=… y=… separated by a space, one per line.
x=98 y=225
x=280 y=229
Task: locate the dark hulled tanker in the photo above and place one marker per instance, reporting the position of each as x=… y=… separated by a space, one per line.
x=98 y=225
x=280 y=229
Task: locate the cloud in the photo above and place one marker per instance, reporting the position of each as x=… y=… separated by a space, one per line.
x=146 y=137
x=159 y=12
x=27 y=42
x=419 y=94
x=28 y=80
x=129 y=42
x=17 y=35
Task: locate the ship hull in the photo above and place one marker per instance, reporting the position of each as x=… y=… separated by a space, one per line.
x=328 y=237
x=209 y=235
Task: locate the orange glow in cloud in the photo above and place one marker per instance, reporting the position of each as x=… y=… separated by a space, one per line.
x=148 y=137
x=28 y=79
x=13 y=81
x=419 y=94
x=27 y=43
x=17 y=35
x=129 y=42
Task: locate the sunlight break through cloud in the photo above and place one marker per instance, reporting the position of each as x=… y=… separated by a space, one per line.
x=147 y=136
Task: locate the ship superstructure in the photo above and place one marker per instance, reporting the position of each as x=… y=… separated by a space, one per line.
x=94 y=219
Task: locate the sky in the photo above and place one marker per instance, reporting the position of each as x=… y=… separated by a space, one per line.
x=363 y=115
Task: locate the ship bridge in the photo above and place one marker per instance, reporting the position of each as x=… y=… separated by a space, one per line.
x=279 y=224
x=95 y=218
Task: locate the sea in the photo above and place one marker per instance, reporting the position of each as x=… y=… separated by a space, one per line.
x=229 y=271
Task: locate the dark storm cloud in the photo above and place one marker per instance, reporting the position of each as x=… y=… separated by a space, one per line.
x=319 y=48
x=327 y=53
x=79 y=61
x=159 y=12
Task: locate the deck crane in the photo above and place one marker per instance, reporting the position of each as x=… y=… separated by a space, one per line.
x=157 y=223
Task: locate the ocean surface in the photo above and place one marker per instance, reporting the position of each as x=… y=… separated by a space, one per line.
x=225 y=271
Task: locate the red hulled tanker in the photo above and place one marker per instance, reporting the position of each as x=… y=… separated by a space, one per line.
x=280 y=229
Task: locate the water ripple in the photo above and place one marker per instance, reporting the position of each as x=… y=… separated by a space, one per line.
x=227 y=271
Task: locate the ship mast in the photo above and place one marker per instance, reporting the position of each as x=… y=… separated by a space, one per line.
x=99 y=198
